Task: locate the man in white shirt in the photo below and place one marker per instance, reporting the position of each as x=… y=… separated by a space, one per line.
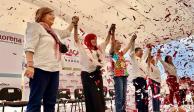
x=139 y=73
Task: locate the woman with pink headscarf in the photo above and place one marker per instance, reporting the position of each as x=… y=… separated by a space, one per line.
x=91 y=60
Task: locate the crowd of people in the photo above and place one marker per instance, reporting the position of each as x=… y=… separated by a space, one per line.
x=43 y=55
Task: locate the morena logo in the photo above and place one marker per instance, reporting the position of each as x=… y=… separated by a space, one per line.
x=10 y=39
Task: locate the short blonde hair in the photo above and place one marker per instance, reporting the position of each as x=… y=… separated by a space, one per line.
x=41 y=12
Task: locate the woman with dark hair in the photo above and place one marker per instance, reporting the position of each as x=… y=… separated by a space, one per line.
x=172 y=78
x=91 y=59
x=43 y=59
x=120 y=72
x=168 y=59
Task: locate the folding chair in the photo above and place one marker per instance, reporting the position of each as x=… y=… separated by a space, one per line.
x=11 y=97
x=105 y=91
x=79 y=96
x=64 y=96
x=112 y=95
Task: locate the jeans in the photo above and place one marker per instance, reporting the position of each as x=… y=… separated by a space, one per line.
x=120 y=93
x=44 y=85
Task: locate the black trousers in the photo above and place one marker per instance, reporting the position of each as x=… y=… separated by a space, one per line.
x=141 y=94
x=155 y=87
x=93 y=91
x=183 y=95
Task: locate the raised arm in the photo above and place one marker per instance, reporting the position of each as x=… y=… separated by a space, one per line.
x=66 y=33
x=158 y=55
x=77 y=41
x=112 y=31
x=104 y=44
x=147 y=52
x=108 y=38
x=159 y=58
x=130 y=44
x=148 y=60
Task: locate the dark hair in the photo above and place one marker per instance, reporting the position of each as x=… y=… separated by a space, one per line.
x=183 y=78
x=137 y=49
x=188 y=78
x=166 y=59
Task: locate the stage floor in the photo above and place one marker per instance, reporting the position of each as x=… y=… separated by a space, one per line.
x=166 y=108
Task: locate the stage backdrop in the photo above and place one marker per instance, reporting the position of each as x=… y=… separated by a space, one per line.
x=70 y=74
x=11 y=47
x=12 y=59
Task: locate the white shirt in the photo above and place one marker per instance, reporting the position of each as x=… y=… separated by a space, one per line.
x=139 y=66
x=42 y=45
x=154 y=73
x=184 y=86
x=169 y=69
x=88 y=59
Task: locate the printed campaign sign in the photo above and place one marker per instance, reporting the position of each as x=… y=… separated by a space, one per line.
x=70 y=75
x=11 y=48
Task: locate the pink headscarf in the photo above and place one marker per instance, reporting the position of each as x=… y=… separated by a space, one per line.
x=87 y=41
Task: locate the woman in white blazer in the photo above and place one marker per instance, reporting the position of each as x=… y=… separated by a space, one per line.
x=43 y=59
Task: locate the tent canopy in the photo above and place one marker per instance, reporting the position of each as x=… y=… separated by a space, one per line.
x=154 y=21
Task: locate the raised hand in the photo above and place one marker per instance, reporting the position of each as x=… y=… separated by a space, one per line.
x=75 y=20
x=112 y=29
x=134 y=37
x=149 y=46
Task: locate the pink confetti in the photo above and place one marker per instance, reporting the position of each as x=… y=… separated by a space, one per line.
x=175 y=53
